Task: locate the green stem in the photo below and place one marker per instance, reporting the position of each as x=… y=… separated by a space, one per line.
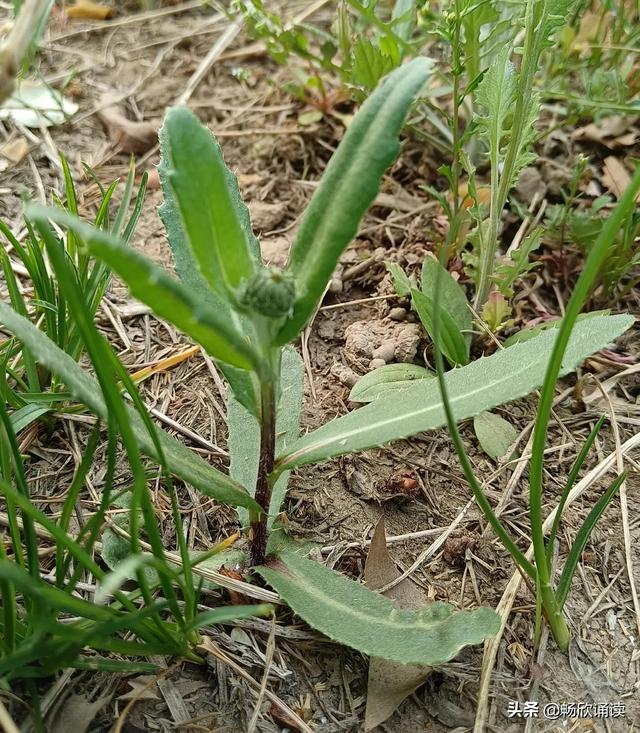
x=501 y=181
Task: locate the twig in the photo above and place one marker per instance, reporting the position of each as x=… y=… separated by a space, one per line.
x=433 y=548
x=215 y=651
x=271 y=647
x=208 y=61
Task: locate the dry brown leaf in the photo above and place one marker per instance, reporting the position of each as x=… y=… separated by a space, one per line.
x=143 y=687
x=128 y=135
x=615 y=176
x=15 y=150
x=389 y=682
x=87 y=10
x=77 y=714
x=615 y=131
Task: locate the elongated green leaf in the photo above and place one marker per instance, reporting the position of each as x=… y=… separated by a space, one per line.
x=351 y=614
x=226 y=614
x=453 y=343
x=242 y=383
x=348 y=186
x=184 y=463
x=244 y=432
x=481 y=385
x=454 y=301
x=580 y=542
x=165 y=295
x=28 y=414
x=206 y=194
x=388 y=379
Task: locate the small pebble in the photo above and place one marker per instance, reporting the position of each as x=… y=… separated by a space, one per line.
x=397 y=314
x=336 y=285
x=376 y=363
x=385 y=351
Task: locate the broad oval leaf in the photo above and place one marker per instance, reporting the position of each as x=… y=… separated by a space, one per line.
x=481 y=385
x=348 y=186
x=165 y=295
x=454 y=346
x=387 y=379
x=184 y=463
x=214 y=219
x=453 y=298
x=495 y=434
x=351 y=614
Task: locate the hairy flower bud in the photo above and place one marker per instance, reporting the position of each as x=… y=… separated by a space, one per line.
x=270 y=291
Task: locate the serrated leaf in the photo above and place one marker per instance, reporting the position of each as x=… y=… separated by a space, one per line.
x=481 y=385
x=351 y=614
x=494 y=434
x=214 y=219
x=387 y=379
x=165 y=295
x=454 y=346
x=349 y=185
x=184 y=463
x=244 y=432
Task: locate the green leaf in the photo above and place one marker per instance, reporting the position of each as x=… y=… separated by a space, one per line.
x=23 y=417
x=226 y=614
x=206 y=194
x=525 y=334
x=244 y=432
x=582 y=537
x=481 y=385
x=454 y=300
x=454 y=346
x=402 y=283
x=387 y=379
x=242 y=383
x=351 y=614
x=494 y=434
x=348 y=186
x=184 y=463
x=165 y=295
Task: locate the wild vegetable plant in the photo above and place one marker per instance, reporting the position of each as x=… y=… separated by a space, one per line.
x=245 y=315
x=550 y=596
x=365 y=42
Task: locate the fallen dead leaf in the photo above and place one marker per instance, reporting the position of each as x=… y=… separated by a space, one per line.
x=389 y=682
x=143 y=687
x=77 y=714
x=87 y=10
x=15 y=150
x=128 y=135
x=615 y=131
x=615 y=176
